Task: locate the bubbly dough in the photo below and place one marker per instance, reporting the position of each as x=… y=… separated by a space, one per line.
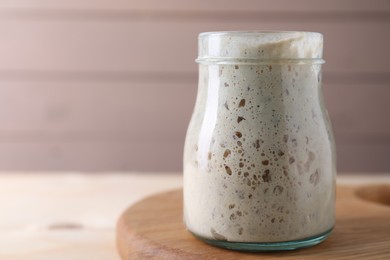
x=258 y=162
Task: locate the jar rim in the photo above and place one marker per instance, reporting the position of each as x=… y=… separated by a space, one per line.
x=256 y=32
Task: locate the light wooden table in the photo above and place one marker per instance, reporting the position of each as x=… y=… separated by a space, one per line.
x=73 y=215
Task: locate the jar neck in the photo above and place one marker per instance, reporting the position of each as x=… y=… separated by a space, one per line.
x=291 y=84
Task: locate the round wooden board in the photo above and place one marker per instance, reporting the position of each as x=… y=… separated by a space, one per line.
x=153 y=229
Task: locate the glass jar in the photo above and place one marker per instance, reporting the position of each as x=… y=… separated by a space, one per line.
x=259 y=159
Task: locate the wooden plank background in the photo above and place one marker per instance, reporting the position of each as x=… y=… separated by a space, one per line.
x=110 y=85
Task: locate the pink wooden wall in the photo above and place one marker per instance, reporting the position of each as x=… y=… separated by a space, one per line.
x=110 y=85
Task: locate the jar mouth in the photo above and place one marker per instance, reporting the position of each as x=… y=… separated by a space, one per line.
x=258 y=33
x=254 y=47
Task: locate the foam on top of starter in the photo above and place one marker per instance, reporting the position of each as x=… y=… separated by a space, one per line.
x=261 y=45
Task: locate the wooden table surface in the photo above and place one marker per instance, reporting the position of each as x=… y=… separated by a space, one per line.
x=73 y=215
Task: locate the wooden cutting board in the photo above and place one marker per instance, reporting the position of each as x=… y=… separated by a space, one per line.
x=153 y=229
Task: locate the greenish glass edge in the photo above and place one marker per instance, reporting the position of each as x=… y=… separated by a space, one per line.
x=270 y=246
x=249 y=61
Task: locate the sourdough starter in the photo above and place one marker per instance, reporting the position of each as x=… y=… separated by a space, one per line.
x=259 y=161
